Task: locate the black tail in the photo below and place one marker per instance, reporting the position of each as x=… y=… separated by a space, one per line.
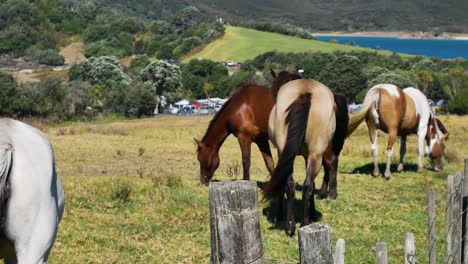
x=296 y=120
x=342 y=120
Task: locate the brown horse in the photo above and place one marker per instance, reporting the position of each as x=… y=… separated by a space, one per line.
x=401 y=113
x=302 y=122
x=245 y=115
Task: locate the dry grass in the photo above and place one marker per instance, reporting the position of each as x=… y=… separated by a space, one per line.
x=133 y=194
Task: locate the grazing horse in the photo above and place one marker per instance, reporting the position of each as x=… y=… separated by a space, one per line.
x=302 y=122
x=331 y=155
x=31 y=194
x=245 y=115
x=401 y=113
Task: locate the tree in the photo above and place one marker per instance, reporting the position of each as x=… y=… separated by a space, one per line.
x=198 y=72
x=106 y=72
x=161 y=77
x=425 y=79
x=8 y=93
x=77 y=99
x=141 y=98
x=344 y=75
x=392 y=78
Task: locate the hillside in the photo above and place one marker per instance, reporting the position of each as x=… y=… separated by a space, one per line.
x=237 y=44
x=346 y=15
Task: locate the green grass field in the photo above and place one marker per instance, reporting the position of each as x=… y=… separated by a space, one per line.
x=132 y=194
x=240 y=44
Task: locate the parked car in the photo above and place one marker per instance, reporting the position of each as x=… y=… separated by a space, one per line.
x=207 y=110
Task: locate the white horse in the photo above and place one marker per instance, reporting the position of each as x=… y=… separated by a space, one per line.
x=31 y=195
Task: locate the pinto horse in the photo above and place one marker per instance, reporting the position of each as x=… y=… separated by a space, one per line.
x=401 y=113
x=302 y=122
x=245 y=115
x=31 y=195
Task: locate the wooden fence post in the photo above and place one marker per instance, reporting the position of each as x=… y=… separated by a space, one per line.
x=431 y=226
x=453 y=229
x=234 y=223
x=314 y=244
x=465 y=212
x=340 y=251
x=381 y=253
x=410 y=252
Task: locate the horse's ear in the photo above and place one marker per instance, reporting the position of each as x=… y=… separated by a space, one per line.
x=199 y=143
x=273 y=73
x=445 y=136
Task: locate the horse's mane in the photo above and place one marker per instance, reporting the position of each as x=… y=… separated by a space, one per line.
x=282 y=78
x=223 y=108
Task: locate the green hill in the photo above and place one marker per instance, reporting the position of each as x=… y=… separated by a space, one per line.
x=356 y=15
x=240 y=44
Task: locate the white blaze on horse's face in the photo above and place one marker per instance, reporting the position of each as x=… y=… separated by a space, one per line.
x=436 y=148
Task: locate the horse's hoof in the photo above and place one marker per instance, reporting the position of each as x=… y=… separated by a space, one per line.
x=376 y=173
x=332 y=196
x=322 y=195
x=400 y=167
x=387 y=175
x=291 y=229
x=420 y=169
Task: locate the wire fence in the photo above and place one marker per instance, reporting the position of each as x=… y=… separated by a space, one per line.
x=452 y=236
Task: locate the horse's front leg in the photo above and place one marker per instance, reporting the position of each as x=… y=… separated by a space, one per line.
x=313 y=168
x=245 y=143
x=333 y=181
x=290 y=221
x=421 y=138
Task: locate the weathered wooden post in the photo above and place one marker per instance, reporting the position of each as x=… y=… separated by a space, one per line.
x=314 y=244
x=431 y=237
x=340 y=251
x=410 y=255
x=381 y=253
x=234 y=223
x=465 y=212
x=453 y=230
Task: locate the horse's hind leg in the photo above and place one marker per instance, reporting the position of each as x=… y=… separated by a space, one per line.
x=308 y=191
x=323 y=193
x=374 y=147
x=290 y=221
x=245 y=143
x=264 y=148
x=391 y=140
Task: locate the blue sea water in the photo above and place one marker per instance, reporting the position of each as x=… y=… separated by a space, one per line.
x=447 y=49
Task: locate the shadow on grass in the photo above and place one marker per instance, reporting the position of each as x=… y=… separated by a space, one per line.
x=369 y=168
x=275 y=211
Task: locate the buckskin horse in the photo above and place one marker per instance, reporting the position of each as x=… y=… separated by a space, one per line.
x=302 y=122
x=31 y=195
x=401 y=113
x=245 y=115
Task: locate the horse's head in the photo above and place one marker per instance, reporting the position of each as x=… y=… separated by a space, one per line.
x=436 y=135
x=282 y=78
x=209 y=161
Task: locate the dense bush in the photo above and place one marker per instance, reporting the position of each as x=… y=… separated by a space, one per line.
x=197 y=73
x=281 y=28
x=8 y=94
x=459 y=105
x=344 y=75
